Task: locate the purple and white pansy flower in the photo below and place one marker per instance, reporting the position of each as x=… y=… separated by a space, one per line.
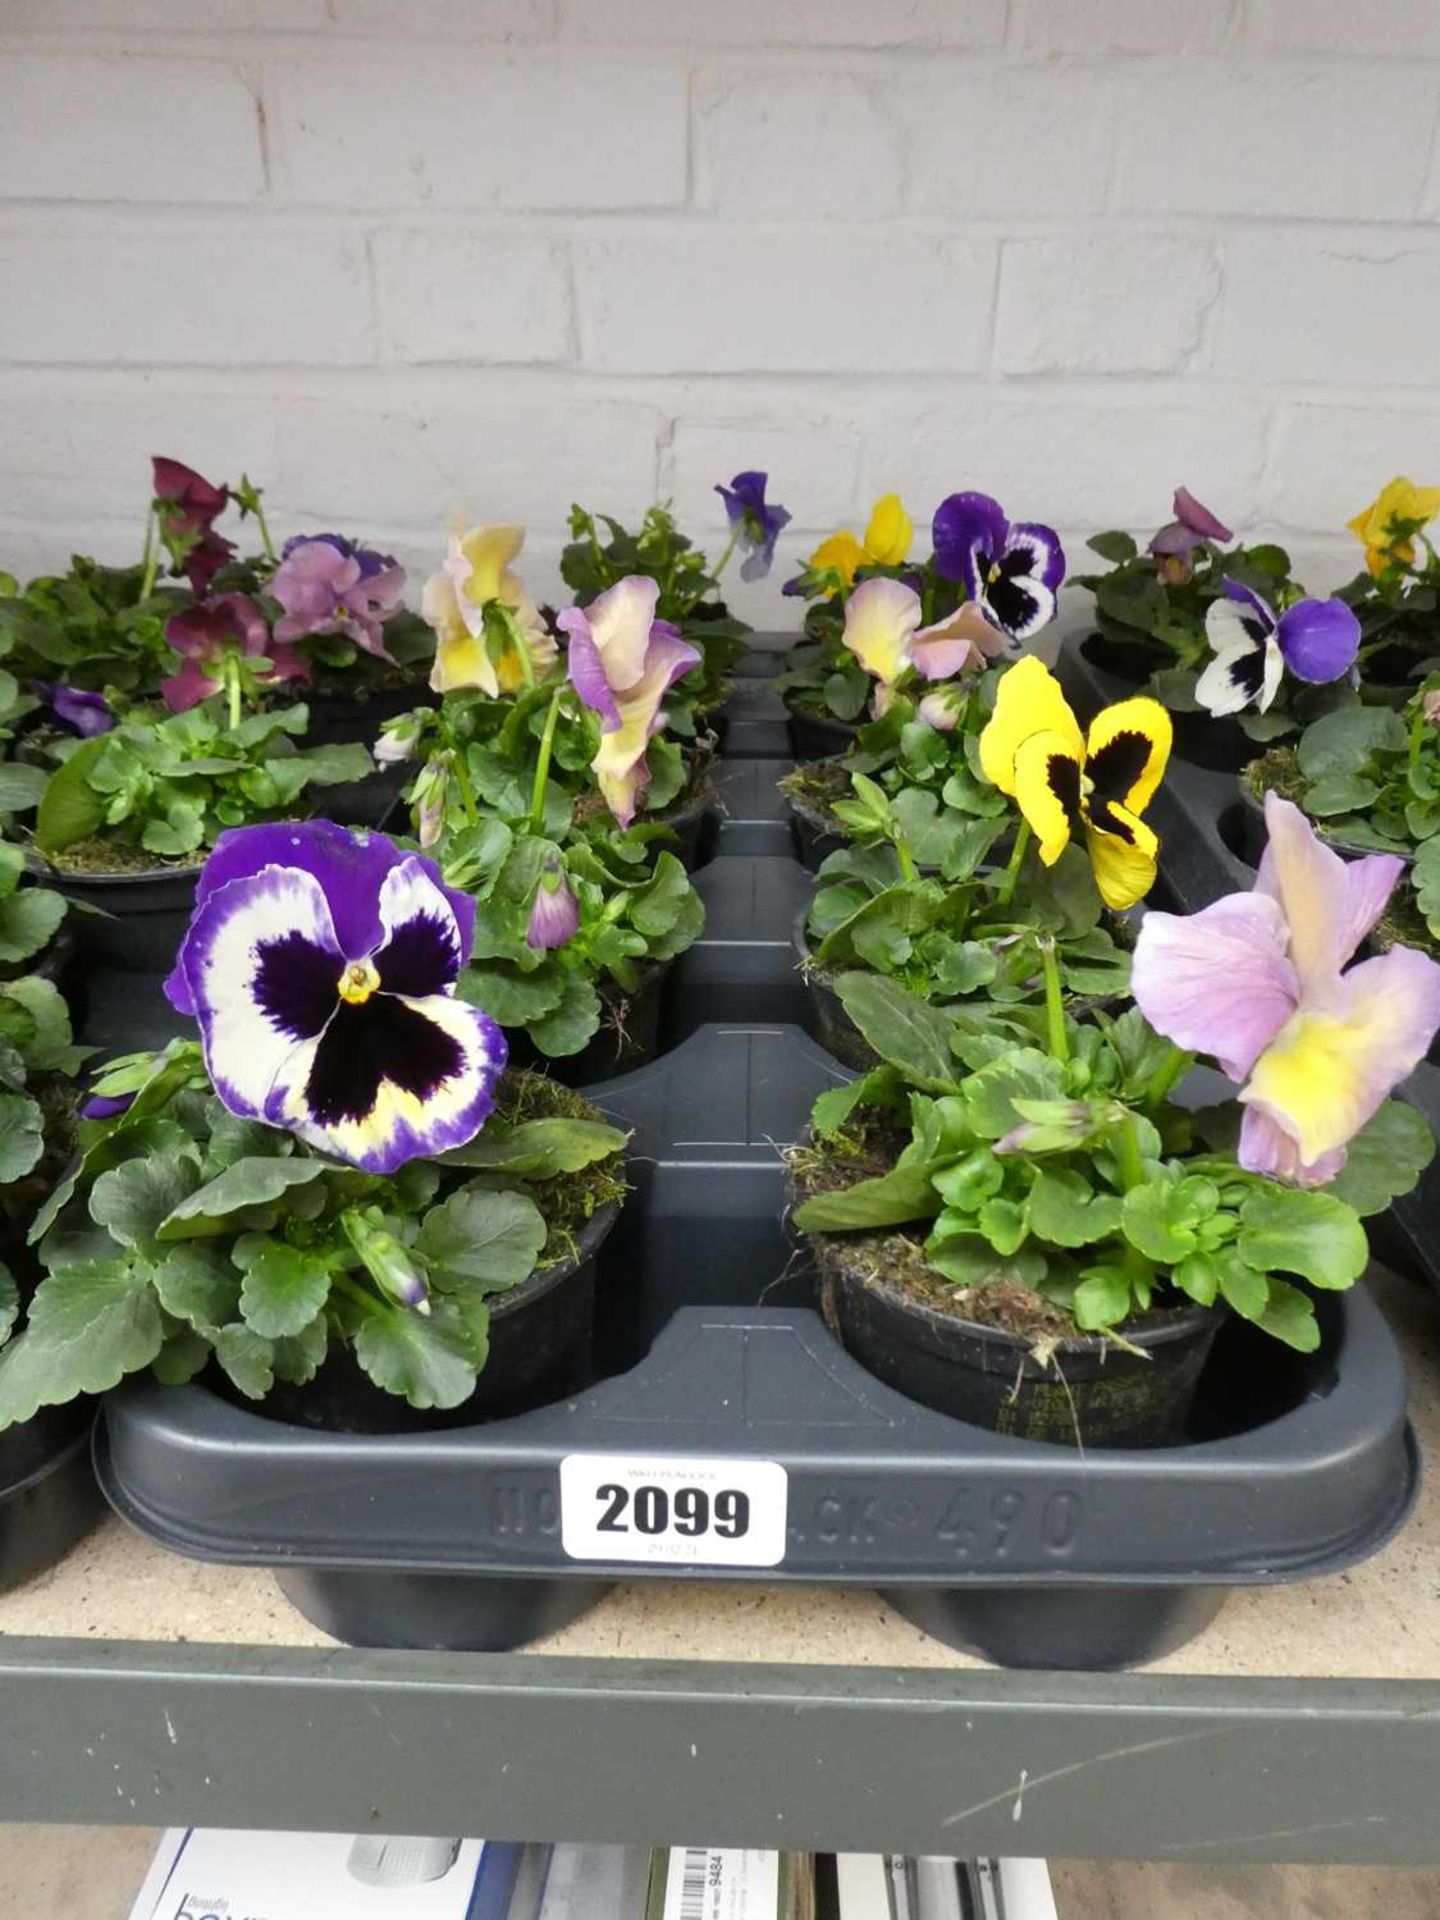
x=1012 y=572
x=755 y=523
x=321 y=966
x=1317 y=640
x=622 y=662
x=327 y=584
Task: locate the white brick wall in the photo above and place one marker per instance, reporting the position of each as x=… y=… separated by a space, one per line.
x=403 y=257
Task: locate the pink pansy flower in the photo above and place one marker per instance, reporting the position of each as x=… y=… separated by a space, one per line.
x=622 y=662
x=883 y=631
x=203 y=634
x=1260 y=982
x=325 y=584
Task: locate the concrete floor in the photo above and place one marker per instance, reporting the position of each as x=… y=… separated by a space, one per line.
x=93 y=1873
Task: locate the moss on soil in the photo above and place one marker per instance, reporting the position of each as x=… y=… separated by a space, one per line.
x=571 y=1200
x=1403 y=925
x=1275 y=771
x=97 y=855
x=814 y=787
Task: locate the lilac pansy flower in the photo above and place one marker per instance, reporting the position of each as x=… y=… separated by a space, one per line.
x=1317 y=640
x=1261 y=982
x=1192 y=526
x=622 y=662
x=73 y=708
x=326 y=584
x=321 y=966
x=754 y=524
x=1011 y=572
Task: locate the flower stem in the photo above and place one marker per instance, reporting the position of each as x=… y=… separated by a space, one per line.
x=265 y=540
x=1011 y=877
x=1054 y=1001
x=149 y=559
x=1127 y=1153
x=725 y=558
x=1419 y=727
x=231 y=683
x=542 y=765
x=462 y=781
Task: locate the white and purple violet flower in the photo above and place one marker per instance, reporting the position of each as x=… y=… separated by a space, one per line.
x=1012 y=572
x=321 y=966
x=1316 y=640
x=327 y=584
x=755 y=523
x=622 y=662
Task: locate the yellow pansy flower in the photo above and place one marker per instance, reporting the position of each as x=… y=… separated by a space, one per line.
x=887 y=542
x=1065 y=779
x=476 y=571
x=1381 y=528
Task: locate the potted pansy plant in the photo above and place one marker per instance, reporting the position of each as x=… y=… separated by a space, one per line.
x=336 y=1204
x=927 y=893
x=984 y=573
x=128 y=816
x=331 y=607
x=1218 y=632
x=1397 y=593
x=688 y=586
x=531 y=793
x=1034 y=1235
x=48 y=1496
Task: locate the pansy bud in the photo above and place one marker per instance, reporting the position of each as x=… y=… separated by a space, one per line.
x=428 y=800
x=554 y=912
x=398 y=740
x=106 y=1106
x=941 y=709
x=1175 y=570
x=390 y=1265
x=1430 y=706
x=1049 y=1126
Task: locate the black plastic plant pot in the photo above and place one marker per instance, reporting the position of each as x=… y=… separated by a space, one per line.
x=340 y=717
x=816 y=835
x=1096 y=670
x=1087 y=1392
x=629 y=1035
x=709 y=1353
x=694 y=827
x=1246 y=836
x=815 y=736
x=826 y=1018
x=140 y=918
x=48 y=1496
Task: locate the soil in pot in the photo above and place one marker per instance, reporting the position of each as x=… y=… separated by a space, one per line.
x=1123 y=668
x=540 y=1332
x=999 y=1356
x=628 y=1036
x=691 y=816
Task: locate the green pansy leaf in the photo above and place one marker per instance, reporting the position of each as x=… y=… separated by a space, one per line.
x=284 y=1289
x=9 y=1302
x=655 y=906
x=21 y=786
x=494 y=1238
x=540 y=1149
x=968 y=1184
x=1290 y=1316
x=1104 y=1298
x=511 y=997
x=88 y=1326
x=890 y=1200
x=1385 y=1158
x=902 y=1028
x=1242 y=1288
x=1003 y=1224
x=28 y=921
x=184 y=1354
x=248 y=1360
x=132 y=1200
x=1117 y=547
x=968 y=1260
x=22 y=1135
x=1022 y=1073
x=1160 y=1217
x=1065 y=1211
x=1425 y=878
x=1344 y=741
x=71 y=809
x=1339 y=793
x=249 y=1182
x=427 y=1361
x=297 y=1357
x=571 y=1025
x=1299 y=1230
x=198 y=1285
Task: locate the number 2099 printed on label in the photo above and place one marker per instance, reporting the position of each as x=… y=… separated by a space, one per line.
x=668 y=1508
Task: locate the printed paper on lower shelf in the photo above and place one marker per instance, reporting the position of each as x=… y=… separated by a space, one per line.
x=218 y=1873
